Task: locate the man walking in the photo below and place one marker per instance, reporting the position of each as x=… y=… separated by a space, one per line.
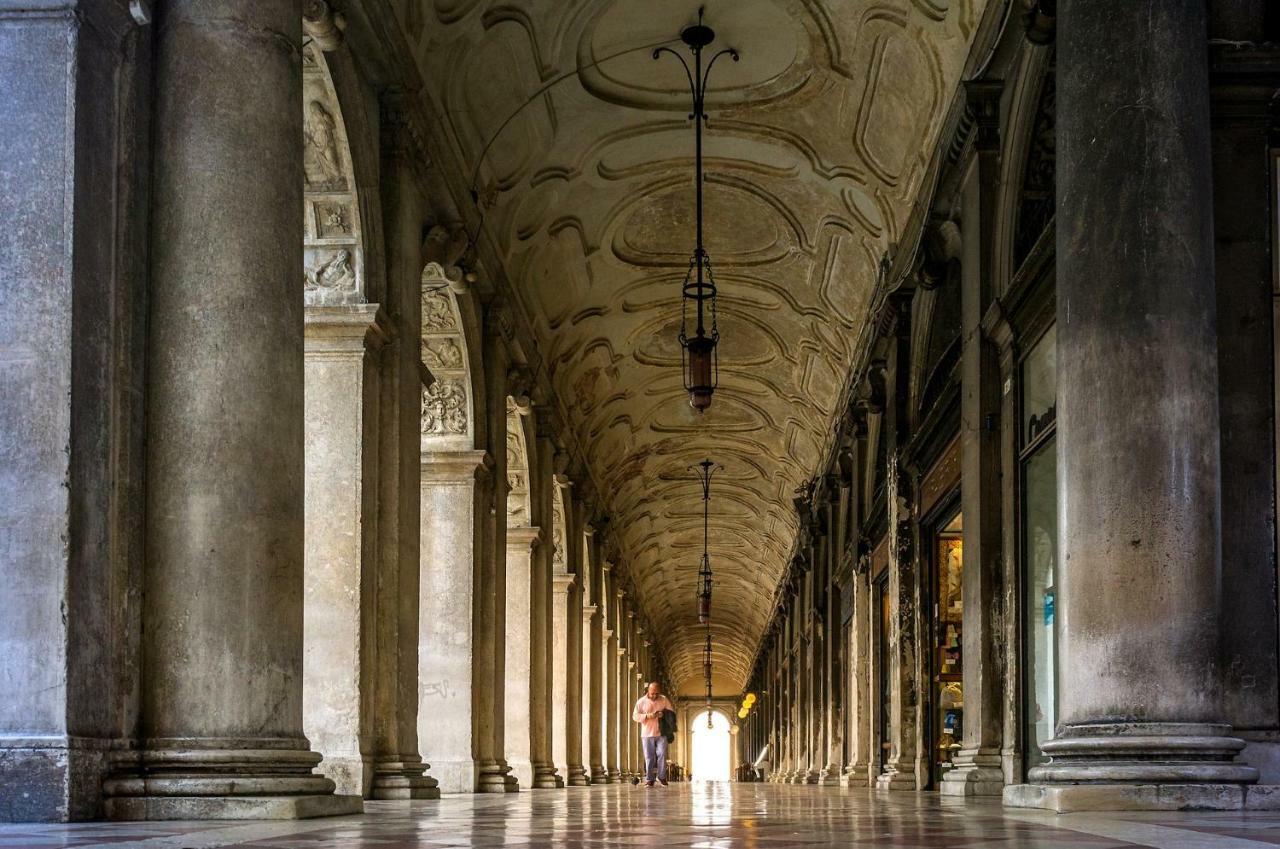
x=648 y=712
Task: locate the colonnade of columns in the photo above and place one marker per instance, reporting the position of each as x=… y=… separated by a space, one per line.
x=301 y=526
x=957 y=620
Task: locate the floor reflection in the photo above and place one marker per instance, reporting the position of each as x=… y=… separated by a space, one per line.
x=712 y=815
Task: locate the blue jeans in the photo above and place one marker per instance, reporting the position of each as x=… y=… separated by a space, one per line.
x=655 y=757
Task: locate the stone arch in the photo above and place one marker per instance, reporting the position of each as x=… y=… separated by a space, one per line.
x=521 y=505
x=449 y=402
x=559 y=533
x=333 y=249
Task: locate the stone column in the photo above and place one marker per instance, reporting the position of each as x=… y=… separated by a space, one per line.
x=592 y=692
x=455 y=497
x=862 y=756
x=490 y=630
x=609 y=659
x=596 y=688
x=398 y=767
x=832 y=672
x=978 y=770
x=812 y=695
x=221 y=724
x=340 y=547
x=542 y=642
x=1141 y=718
x=906 y=761
x=562 y=614
x=522 y=545
x=575 y=658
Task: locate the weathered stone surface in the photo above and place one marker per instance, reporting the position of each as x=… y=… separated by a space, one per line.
x=451 y=501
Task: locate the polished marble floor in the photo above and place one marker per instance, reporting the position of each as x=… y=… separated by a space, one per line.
x=707 y=816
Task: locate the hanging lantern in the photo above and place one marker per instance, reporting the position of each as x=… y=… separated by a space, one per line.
x=706 y=668
x=742 y=713
x=698 y=357
x=704 y=570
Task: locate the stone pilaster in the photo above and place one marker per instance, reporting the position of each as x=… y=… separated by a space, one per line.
x=522 y=545
x=564 y=619
x=455 y=497
x=1141 y=715
x=72 y=426
x=1244 y=78
x=340 y=551
x=221 y=720
x=978 y=770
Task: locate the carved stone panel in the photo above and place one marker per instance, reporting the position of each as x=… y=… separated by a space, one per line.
x=333 y=257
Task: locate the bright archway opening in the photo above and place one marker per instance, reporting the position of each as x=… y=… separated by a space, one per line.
x=710 y=747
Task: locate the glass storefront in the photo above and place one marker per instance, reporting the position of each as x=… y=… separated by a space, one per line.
x=948 y=668
x=883 y=615
x=1039 y=463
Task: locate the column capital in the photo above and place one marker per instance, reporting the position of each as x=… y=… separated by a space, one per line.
x=563 y=582
x=346 y=329
x=446 y=466
x=524 y=537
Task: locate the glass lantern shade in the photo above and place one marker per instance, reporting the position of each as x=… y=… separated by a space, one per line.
x=700 y=371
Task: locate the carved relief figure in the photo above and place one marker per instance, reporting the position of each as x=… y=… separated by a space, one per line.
x=332 y=221
x=321 y=165
x=437 y=312
x=444 y=408
x=442 y=353
x=334 y=273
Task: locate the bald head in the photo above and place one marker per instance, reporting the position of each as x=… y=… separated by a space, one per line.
x=654 y=690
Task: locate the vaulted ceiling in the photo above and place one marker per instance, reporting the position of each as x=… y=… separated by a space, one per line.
x=816 y=147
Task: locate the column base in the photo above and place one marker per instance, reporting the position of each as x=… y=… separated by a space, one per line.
x=545 y=777
x=615 y=777
x=1143 y=753
x=223 y=779
x=495 y=778
x=1143 y=766
x=231 y=807
x=404 y=779
x=977 y=772
x=1069 y=798
x=805 y=776
x=895 y=781
x=599 y=775
x=858 y=775
x=578 y=776
x=830 y=776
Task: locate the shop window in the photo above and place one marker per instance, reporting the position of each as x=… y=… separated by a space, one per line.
x=1040 y=579
x=883 y=621
x=948 y=661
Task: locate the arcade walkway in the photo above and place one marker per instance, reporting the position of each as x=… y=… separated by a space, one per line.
x=715 y=816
